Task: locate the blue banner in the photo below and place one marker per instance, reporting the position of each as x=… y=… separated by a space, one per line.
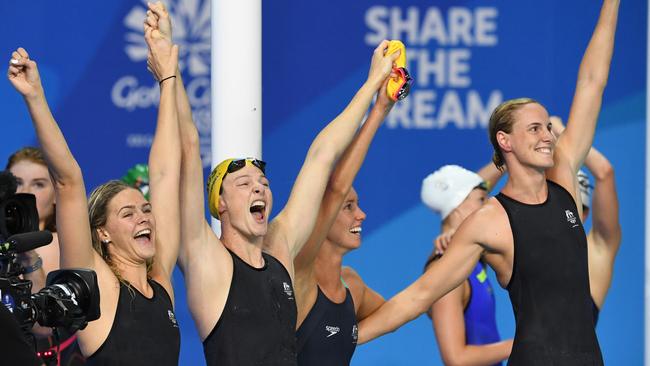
x=466 y=57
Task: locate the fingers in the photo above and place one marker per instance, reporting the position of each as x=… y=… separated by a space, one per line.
x=22 y=52
x=393 y=56
x=158 y=9
x=151 y=20
x=381 y=48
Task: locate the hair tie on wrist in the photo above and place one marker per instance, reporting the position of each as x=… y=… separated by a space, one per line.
x=169 y=77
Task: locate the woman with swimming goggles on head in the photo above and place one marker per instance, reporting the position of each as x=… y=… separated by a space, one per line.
x=134 y=242
x=239 y=286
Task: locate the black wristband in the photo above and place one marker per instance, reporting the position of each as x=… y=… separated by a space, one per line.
x=34 y=267
x=169 y=77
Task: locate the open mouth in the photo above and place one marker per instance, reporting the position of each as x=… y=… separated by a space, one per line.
x=258 y=210
x=356 y=230
x=144 y=234
x=545 y=150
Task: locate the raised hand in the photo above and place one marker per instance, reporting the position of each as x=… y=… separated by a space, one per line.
x=158 y=18
x=442 y=241
x=381 y=65
x=162 y=59
x=23 y=74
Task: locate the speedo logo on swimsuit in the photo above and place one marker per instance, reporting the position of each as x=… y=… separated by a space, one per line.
x=571 y=218
x=287 y=289
x=332 y=330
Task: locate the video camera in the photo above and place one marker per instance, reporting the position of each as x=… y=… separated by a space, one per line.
x=71 y=297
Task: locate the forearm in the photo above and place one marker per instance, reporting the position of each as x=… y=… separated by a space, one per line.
x=594 y=67
x=474 y=355
x=394 y=313
x=336 y=136
x=348 y=166
x=62 y=165
x=165 y=154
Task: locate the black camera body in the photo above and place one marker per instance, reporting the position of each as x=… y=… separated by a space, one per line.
x=71 y=297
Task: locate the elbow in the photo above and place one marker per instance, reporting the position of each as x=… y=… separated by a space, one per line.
x=604 y=172
x=190 y=139
x=70 y=178
x=592 y=80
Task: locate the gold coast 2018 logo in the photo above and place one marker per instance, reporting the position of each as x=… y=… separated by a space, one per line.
x=191 y=31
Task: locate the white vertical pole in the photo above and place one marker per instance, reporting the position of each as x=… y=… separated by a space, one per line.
x=236 y=80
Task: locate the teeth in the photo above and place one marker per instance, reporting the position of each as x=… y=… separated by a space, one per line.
x=143 y=232
x=258 y=203
x=355 y=230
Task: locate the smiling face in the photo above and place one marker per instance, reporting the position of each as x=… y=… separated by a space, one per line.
x=34 y=178
x=130 y=227
x=346 y=230
x=246 y=202
x=531 y=142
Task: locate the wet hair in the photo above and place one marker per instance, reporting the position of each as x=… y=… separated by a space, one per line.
x=36 y=156
x=98 y=203
x=502 y=119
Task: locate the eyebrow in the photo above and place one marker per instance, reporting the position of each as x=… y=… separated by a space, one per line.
x=125 y=207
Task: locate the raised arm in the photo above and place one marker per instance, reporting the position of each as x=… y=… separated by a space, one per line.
x=195 y=231
x=441 y=277
x=341 y=181
x=74 y=235
x=293 y=225
x=165 y=154
x=573 y=145
x=605 y=216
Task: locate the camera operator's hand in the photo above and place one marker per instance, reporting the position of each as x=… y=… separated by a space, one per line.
x=23 y=74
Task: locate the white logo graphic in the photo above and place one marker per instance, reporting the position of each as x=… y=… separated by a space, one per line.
x=355 y=333
x=570 y=217
x=191 y=31
x=287 y=289
x=332 y=330
x=172 y=318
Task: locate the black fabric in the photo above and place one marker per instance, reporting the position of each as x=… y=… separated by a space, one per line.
x=257 y=326
x=328 y=336
x=144 y=331
x=14 y=348
x=595 y=311
x=549 y=287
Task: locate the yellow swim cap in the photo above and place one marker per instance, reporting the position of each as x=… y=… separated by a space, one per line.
x=215 y=180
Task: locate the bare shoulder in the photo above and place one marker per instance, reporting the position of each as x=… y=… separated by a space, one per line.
x=351 y=277
x=489 y=226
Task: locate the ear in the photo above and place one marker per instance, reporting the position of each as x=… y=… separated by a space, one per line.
x=223 y=205
x=103 y=235
x=503 y=139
